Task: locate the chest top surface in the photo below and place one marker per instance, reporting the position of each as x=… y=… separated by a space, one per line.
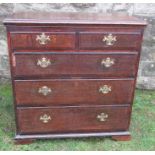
x=72 y=18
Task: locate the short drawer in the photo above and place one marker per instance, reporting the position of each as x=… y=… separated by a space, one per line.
x=52 y=40
x=75 y=65
x=72 y=119
x=73 y=92
x=110 y=40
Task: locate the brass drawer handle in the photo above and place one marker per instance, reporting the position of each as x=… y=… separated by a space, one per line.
x=108 y=62
x=43 y=39
x=109 y=39
x=102 y=117
x=43 y=62
x=44 y=90
x=105 y=89
x=45 y=118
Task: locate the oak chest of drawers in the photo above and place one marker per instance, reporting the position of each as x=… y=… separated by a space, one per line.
x=73 y=74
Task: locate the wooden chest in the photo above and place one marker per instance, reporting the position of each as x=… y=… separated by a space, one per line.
x=73 y=74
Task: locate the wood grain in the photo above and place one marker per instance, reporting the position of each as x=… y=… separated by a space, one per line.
x=58 y=40
x=71 y=18
x=72 y=119
x=124 y=40
x=75 y=65
x=73 y=92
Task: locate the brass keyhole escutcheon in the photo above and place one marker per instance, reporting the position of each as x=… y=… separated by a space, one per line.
x=109 y=39
x=43 y=62
x=102 y=117
x=44 y=90
x=108 y=62
x=43 y=39
x=45 y=118
x=105 y=89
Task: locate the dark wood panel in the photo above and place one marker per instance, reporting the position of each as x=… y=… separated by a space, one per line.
x=72 y=119
x=31 y=18
x=122 y=29
x=75 y=65
x=123 y=40
x=56 y=40
x=73 y=92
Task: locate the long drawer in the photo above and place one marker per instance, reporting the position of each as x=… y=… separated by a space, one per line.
x=72 y=119
x=78 y=65
x=73 y=92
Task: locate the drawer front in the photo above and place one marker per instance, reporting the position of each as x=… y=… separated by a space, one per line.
x=85 y=65
x=55 y=40
x=110 y=40
x=72 y=119
x=73 y=92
